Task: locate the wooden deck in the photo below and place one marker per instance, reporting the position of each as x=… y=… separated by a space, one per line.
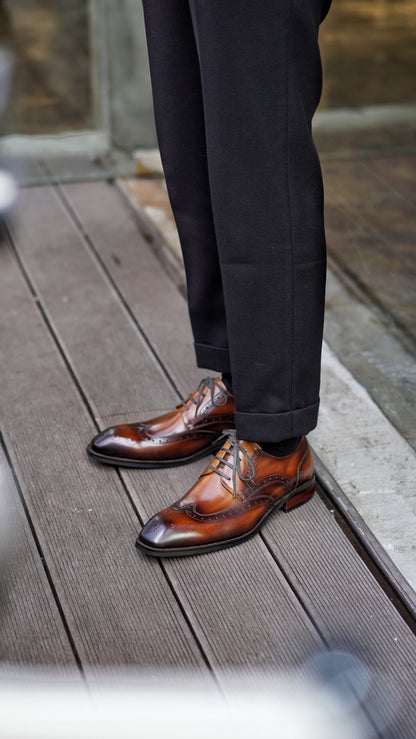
x=94 y=331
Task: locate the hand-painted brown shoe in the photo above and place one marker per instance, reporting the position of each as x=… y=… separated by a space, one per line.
x=231 y=500
x=191 y=431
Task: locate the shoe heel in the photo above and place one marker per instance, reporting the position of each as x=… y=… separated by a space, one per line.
x=299 y=498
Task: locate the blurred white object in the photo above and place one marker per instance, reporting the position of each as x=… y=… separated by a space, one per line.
x=288 y=709
x=8 y=188
x=8 y=191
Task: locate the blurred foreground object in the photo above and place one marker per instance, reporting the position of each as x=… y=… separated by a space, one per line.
x=8 y=188
x=8 y=191
x=38 y=706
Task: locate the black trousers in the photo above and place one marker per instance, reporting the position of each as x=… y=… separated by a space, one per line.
x=235 y=85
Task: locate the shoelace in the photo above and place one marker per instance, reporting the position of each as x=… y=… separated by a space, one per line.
x=208 y=382
x=234 y=452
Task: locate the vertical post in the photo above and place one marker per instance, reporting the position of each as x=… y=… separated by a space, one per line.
x=126 y=83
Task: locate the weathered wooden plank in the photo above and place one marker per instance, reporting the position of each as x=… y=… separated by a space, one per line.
x=86 y=307
x=146 y=287
x=371 y=232
x=31 y=629
x=396 y=173
x=116 y=606
x=241 y=607
x=367 y=538
x=353 y=143
x=152 y=493
x=350 y=608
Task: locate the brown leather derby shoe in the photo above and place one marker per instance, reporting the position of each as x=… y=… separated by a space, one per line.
x=187 y=433
x=231 y=500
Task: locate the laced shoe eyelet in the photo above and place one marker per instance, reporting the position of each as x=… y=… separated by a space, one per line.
x=233 y=450
x=208 y=383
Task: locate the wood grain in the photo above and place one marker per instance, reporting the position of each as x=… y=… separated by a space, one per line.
x=81 y=304
x=137 y=273
x=31 y=629
x=117 y=607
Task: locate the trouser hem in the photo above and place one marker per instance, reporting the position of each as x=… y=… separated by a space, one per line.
x=212 y=357
x=274 y=427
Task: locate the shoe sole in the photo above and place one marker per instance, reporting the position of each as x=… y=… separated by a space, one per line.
x=292 y=500
x=154 y=464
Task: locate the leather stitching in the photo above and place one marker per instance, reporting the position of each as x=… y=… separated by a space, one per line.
x=200 y=420
x=189 y=511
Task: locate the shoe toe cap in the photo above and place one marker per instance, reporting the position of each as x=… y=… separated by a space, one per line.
x=117 y=441
x=102 y=441
x=168 y=530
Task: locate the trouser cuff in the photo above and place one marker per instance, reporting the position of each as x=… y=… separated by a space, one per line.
x=274 y=427
x=212 y=357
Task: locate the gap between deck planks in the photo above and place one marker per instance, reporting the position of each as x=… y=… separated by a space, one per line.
x=116 y=605
x=211 y=592
x=31 y=627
